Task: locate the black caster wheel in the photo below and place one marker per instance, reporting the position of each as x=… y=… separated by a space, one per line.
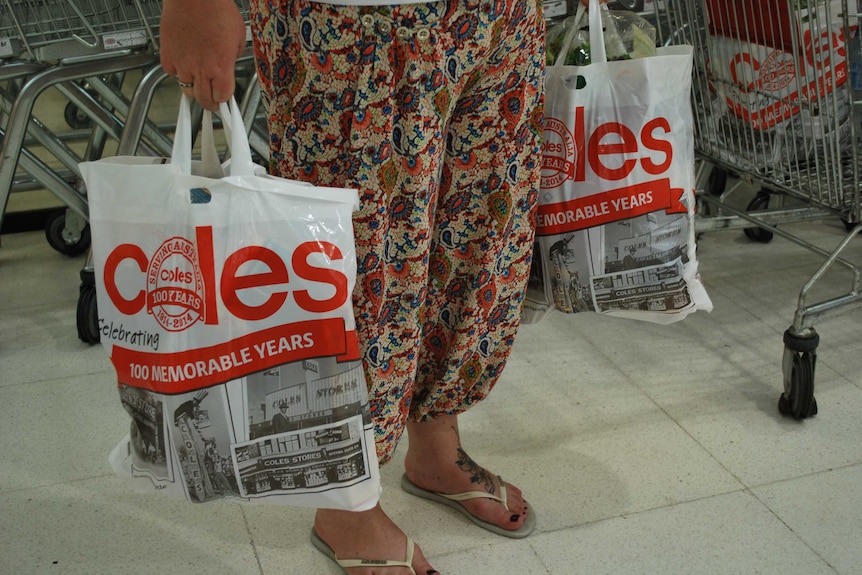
x=848 y=225
x=716 y=182
x=760 y=202
x=800 y=357
x=701 y=207
x=799 y=402
x=702 y=210
x=88 y=313
x=54 y=227
x=76 y=119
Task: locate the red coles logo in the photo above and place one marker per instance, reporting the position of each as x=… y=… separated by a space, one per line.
x=181 y=284
x=175 y=286
x=559 y=154
x=633 y=166
x=612 y=151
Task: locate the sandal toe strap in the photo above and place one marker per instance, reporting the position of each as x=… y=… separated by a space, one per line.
x=348 y=563
x=467 y=495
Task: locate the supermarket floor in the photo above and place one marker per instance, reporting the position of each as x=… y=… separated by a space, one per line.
x=642 y=448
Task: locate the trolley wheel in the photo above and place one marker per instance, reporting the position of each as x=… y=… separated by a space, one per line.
x=801 y=343
x=75 y=118
x=88 y=313
x=702 y=210
x=54 y=227
x=716 y=182
x=799 y=401
x=760 y=202
x=848 y=225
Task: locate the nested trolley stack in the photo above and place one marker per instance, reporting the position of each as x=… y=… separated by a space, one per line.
x=774 y=103
x=83 y=49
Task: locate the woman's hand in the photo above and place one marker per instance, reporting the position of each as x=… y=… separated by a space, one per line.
x=200 y=43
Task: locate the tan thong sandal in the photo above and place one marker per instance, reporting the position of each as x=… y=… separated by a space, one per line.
x=345 y=564
x=453 y=501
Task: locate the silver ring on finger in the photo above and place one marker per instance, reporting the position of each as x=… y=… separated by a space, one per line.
x=185 y=84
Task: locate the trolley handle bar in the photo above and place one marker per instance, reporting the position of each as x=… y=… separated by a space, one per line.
x=87 y=25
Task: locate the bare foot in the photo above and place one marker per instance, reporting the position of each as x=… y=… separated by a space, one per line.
x=436 y=462
x=368 y=535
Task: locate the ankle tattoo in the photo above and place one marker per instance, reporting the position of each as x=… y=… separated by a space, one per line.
x=478 y=475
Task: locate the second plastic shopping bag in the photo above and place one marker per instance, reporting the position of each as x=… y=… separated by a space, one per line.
x=616 y=208
x=225 y=305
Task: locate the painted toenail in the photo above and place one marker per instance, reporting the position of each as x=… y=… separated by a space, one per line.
x=432 y=572
x=514 y=518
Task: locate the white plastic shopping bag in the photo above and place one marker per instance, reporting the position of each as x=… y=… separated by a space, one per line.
x=225 y=305
x=616 y=207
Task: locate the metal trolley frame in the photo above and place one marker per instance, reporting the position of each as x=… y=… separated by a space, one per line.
x=774 y=104
x=83 y=49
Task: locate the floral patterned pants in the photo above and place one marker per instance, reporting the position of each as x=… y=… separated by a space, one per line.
x=433 y=111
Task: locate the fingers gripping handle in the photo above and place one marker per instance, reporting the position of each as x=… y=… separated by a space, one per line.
x=241 y=163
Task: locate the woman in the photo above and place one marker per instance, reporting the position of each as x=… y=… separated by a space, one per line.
x=432 y=110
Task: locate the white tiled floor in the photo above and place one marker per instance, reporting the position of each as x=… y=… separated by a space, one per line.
x=643 y=449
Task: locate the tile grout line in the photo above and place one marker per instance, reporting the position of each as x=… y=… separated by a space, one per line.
x=251 y=539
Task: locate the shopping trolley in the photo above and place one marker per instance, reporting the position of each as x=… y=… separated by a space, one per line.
x=773 y=103
x=55 y=30
x=68 y=45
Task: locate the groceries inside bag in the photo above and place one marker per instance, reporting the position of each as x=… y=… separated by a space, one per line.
x=615 y=221
x=627 y=36
x=225 y=305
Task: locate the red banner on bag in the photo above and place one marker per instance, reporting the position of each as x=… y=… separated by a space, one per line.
x=181 y=372
x=610 y=206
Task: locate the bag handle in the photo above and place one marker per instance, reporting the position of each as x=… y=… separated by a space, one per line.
x=181 y=153
x=210 y=164
x=241 y=163
x=598 y=54
x=570 y=35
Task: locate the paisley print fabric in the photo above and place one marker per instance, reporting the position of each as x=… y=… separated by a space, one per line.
x=433 y=112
